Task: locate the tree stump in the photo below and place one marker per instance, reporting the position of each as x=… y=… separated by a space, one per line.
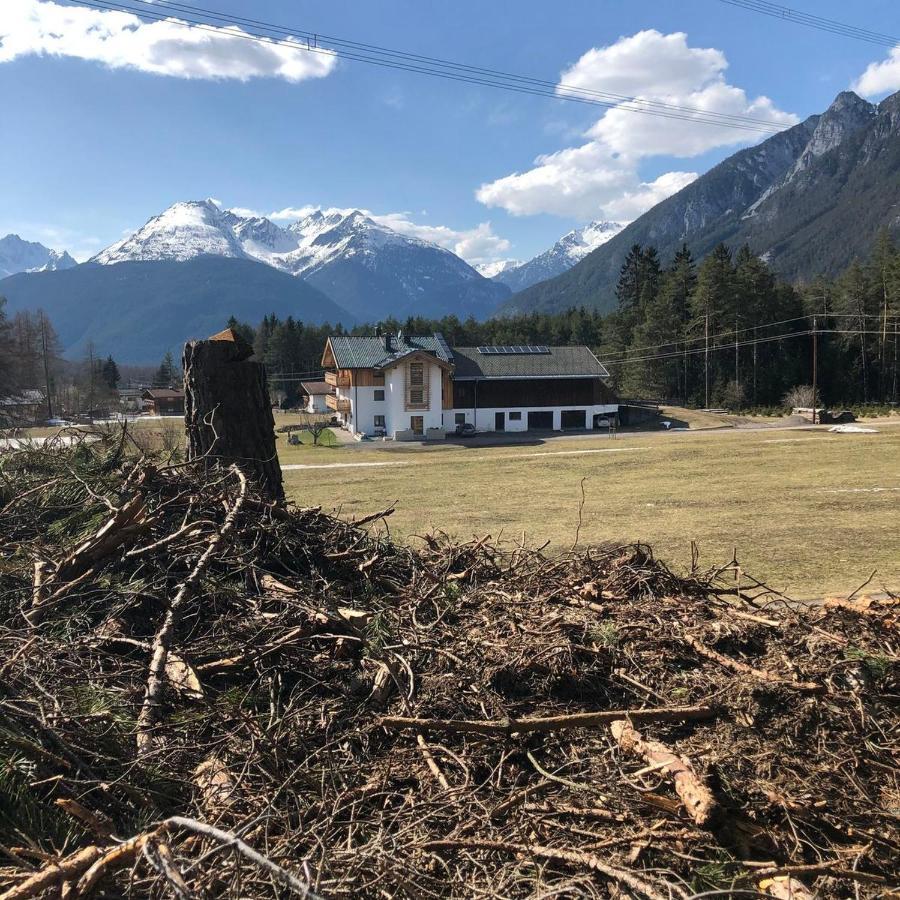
x=227 y=412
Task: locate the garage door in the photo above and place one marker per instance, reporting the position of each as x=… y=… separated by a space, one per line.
x=573 y=418
x=540 y=420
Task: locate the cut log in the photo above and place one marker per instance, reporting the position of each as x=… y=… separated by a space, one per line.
x=695 y=795
x=227 y=411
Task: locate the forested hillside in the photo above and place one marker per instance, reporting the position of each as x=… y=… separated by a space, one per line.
x=808 y=200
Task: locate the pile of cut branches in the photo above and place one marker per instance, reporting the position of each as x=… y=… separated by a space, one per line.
x=206 y=695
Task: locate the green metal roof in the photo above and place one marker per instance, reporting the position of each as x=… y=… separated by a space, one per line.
x=368 y=351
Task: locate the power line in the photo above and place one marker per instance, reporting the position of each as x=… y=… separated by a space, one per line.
x=679 y=354
x=800 y=18
x=682 y=341
x=204 y=19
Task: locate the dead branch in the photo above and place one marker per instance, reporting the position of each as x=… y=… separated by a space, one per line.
x=156 y=678
x=621 y=876
x=695 y=795
x=807 y=687
x=553 y=723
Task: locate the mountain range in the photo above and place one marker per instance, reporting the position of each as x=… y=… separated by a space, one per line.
x=197 y=263
x=17 y=255
x=807 y=200
x=366 y=268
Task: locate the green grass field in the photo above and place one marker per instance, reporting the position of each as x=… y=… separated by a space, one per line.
x=809 y=512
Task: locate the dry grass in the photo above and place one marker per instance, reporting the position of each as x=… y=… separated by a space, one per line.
x=812 y=512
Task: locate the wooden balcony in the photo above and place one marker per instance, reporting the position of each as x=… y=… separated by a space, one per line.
x=338 y=404
x=337 y=379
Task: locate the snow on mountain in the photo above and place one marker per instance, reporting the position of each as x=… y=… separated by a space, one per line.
x=364 y=266
x=498 y=267
x=184 y=231
x=17 y=255
x=568 y=250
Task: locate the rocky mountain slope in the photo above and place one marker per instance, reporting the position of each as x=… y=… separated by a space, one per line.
x=17 y=255
x=364 y=267
x=808 y=200
x=570 y=249
x=139 y=310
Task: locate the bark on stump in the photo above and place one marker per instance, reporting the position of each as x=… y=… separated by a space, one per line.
x=227 y=412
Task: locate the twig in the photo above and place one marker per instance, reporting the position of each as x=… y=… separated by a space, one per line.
x=156 y=679
x=622 y=876
x=553 y=723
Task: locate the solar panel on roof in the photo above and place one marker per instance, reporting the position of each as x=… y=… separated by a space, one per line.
x=513 y=349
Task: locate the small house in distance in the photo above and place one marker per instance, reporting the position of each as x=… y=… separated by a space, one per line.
x=414 y=387
x=24 y=408
x=315 y=395
x=163 y=402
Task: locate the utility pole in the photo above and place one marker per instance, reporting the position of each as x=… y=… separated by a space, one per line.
x=737 y=377
x=815 y=373
x=755 y=346
x=46 y=366
x=706 y=357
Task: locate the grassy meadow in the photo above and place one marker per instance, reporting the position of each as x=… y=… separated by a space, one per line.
x=807 y=511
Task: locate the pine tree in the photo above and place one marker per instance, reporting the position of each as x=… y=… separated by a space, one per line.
x=109 y=372
x=242 y=329
x=167 y=374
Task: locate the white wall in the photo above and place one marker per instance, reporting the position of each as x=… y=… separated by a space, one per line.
x=393 y=407
x=486 y=415
x=315 y=403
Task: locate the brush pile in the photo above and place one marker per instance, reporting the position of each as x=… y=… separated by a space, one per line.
x=206 y=695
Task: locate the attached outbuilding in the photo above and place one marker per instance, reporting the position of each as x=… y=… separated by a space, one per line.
x=529 y=388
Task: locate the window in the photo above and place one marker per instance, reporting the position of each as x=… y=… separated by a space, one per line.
x=416 y=386
x=379 y=395
x=515 y=417
x=460 y=419
x=379 y=421
x=417 y=424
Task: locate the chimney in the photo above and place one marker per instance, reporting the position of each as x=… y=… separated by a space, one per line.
x=388 y=341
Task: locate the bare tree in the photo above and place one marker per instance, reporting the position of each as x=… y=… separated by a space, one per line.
x=315 y=423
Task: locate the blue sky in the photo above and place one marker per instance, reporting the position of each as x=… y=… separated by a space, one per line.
x=92 y=147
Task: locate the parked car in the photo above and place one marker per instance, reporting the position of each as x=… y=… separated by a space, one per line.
x=465 y=429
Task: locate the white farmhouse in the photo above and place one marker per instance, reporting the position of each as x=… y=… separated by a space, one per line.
x=389 y=384
x=418 y=387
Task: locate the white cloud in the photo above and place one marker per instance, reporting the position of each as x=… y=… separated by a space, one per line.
x=243 y=212
x=600 y=178
x=124 y=41
x=475 y=245
x=646 y=195
x=881 y=77
x=291 y=213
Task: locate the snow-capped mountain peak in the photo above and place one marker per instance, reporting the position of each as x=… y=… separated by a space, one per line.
x=498 y=267
x=363 y=265
x=18 y=255
x=183 y=231
x=570 y=249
